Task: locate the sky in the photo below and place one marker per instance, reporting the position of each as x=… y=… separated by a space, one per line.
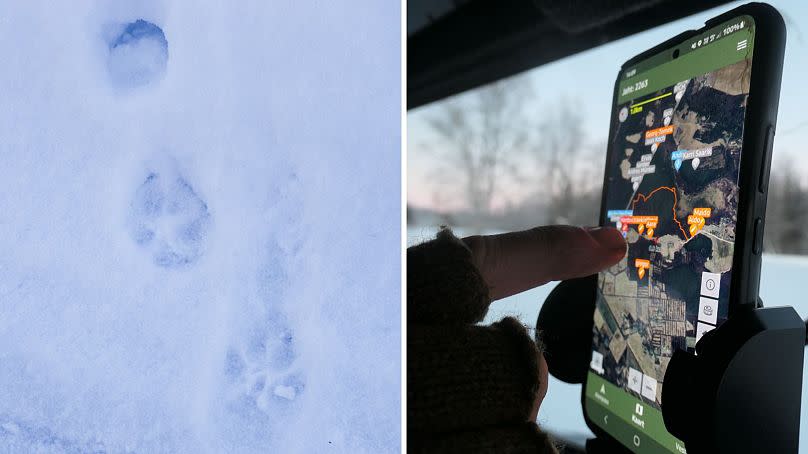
x=587 y=80
x=185 y=209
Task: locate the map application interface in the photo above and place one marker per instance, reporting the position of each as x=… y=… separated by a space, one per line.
x=672 y=189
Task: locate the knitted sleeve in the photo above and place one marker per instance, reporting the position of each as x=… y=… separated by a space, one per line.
x=443 y=285
x=470 y=389
x=470 y=376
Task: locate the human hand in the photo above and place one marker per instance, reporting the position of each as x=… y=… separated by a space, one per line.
x=511 y=263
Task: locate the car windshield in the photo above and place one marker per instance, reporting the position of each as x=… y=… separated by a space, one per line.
x=530 y=150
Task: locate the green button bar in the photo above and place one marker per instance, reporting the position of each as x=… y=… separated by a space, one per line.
x=623 y=432
x=624 y=416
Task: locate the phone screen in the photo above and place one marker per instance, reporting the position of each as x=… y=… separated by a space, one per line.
x=676 y=144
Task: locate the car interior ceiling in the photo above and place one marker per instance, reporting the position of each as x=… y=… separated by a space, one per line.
x=456 y=45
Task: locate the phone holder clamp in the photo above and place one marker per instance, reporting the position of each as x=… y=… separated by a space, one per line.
x=740 y=393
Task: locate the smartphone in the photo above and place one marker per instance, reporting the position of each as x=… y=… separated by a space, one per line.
x=687 y=168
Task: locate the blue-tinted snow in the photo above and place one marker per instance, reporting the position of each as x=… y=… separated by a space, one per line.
x=206 y=260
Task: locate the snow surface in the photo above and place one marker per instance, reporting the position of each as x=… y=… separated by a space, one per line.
x=186 y=210
x=561 y=412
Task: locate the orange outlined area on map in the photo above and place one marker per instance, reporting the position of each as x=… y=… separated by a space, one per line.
x=673 y=208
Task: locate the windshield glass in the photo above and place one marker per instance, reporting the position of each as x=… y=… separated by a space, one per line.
x=530 y=150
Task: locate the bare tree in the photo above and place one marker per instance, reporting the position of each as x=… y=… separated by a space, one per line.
x=480 y=136
x=571 y=169
x=497 y=140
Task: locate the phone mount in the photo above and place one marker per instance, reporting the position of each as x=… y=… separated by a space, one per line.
x=740 y=392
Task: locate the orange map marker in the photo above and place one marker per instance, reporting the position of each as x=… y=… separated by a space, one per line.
x=696 y=222
x=644 y=223
x=642 y=265
x=703 y=212
x=650 y=226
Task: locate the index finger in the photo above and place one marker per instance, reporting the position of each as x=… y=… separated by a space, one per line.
x=514 y=262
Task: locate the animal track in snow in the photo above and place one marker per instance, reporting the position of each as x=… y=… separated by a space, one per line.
x=169 y=220
x=265 y=368
x=138 y=54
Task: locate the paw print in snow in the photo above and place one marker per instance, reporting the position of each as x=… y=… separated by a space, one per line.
x=169 y=221
x=265 y=370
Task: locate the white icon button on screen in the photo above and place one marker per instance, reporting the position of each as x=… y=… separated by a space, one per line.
x=701 y=329
x=634 y=380
x=597 y=362
x=649 y=387
x=710 y=284
x=708 y=310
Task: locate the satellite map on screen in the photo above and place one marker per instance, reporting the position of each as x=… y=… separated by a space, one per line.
x=672 y=190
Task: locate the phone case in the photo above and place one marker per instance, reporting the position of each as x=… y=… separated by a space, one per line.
x=758 y=136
